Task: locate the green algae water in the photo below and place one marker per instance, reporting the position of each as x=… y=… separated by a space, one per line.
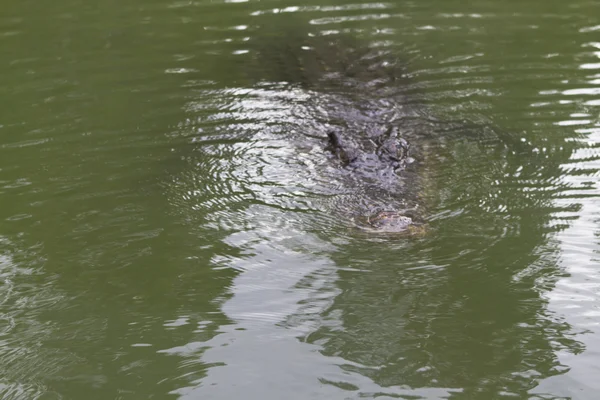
x=168 y=223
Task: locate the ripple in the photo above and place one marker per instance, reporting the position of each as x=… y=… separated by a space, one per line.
x=170 y=210
x=345 y=7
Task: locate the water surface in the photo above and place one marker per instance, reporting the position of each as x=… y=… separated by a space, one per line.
x=170 y=223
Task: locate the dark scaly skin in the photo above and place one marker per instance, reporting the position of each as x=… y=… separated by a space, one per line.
x=391 y=156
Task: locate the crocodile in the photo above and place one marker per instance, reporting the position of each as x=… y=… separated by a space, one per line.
x=370 y=124
x=378 y=162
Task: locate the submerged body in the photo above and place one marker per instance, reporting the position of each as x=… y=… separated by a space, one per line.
x=360 y=101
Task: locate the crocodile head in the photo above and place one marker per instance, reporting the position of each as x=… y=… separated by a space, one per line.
x=375 y=164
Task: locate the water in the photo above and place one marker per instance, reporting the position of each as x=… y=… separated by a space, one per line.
x=168 y=228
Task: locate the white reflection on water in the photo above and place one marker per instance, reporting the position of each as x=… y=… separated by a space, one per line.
x=344 y=7
x=576 y=297
x=286 y=282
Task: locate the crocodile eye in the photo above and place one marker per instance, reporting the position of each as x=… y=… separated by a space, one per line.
x=403 y=147
x=334 y=139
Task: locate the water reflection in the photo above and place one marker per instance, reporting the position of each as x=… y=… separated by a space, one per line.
x=460 y=312
x=579 y=242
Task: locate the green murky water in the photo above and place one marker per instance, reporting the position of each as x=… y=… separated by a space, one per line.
x=166 y=224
